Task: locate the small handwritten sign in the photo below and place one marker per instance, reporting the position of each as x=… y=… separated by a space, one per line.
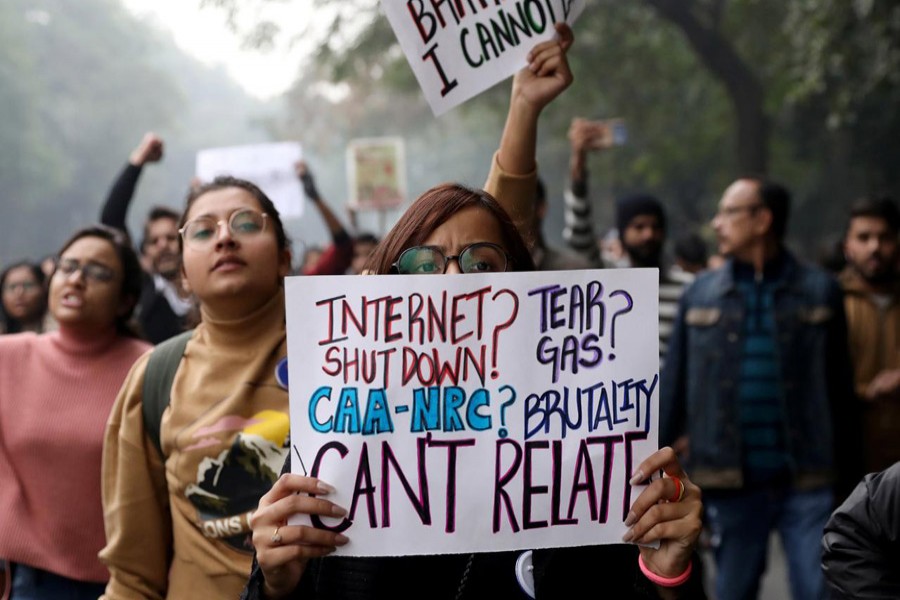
x=376 y=171
x=465 y=413
x=459 y=48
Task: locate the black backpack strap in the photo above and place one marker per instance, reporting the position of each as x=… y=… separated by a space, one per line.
x=161 y=368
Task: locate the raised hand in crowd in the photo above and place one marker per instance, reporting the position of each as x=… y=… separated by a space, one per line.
x=584 y=136
x=534 y=87
x=149 y=150
x=335 y=259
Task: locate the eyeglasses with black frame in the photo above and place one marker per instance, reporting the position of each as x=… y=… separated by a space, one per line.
x=480 y=257
x=244 y=222
x=89 y=270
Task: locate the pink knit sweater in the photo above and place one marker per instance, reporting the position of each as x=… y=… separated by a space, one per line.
x=56 y=392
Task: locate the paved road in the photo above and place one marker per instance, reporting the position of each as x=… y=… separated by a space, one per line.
x=775 y=582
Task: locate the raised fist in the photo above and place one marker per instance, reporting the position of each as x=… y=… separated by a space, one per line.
x=149 y=150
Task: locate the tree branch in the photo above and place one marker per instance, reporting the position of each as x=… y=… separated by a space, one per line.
x=741 y=83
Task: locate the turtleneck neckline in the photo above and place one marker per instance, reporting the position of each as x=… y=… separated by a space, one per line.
x=75 y=342
x=268 y=318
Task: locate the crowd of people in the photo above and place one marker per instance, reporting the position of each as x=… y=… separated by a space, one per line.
x=144 y=423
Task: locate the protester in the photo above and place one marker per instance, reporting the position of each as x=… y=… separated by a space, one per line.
x=184 y=466
x=56 y=392
x=872 y=300
x=579 y=229
x=452 y=229
x=163 y=309
x=640 y=223
x=690 y=256
x=363 y=246
x=336 y=258
x=862 y=541
x=759 y=379
x=547 y=257
x=311 y=257
x=24 y=295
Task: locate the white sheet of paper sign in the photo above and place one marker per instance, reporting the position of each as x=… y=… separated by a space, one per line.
x=269 y=166
x=469 y=413
x=459 y=48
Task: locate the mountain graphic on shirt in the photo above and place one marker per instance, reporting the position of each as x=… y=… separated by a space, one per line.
x=229 y=485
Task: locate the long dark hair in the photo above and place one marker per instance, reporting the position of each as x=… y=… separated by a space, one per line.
x=9 y=324
x=132 y=275
x=434 y=208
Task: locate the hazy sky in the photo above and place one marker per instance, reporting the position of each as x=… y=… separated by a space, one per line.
x=205 y=35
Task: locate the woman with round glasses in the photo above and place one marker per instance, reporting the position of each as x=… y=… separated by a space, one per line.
x=177 y=504
x=56 y=392
x=24 y=299
x=452 y=229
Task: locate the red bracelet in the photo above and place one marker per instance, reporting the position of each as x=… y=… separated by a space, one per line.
x=665 y=581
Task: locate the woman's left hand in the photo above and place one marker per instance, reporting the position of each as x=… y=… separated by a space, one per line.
x=660 y=515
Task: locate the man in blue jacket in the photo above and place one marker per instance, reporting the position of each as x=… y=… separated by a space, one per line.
x=757 y=388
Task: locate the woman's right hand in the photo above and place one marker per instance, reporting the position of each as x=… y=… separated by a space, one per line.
x=283 y=558
x=547 y=74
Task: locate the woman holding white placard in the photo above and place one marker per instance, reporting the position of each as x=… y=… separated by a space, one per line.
x=453 y=229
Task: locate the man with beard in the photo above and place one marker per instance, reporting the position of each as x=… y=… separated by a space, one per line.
x=162 y=310
x=758 y=378
x=640 y=219
x=872 y=300
x=641 y=222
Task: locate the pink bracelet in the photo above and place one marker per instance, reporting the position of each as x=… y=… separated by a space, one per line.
x=665 y=581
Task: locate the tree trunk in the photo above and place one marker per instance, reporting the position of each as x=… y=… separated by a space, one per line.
x=743 y=87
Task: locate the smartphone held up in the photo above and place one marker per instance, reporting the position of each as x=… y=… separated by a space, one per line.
x=585 y=134
x=610 y=132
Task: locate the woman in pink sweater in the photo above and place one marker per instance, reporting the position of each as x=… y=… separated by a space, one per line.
x=56 y=391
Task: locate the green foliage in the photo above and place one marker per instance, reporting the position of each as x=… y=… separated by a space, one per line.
x=80 y=83
x=828 y=70
x=845 y=51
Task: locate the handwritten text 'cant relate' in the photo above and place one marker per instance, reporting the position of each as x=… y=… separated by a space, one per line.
x=481 y=39
x=585 y=483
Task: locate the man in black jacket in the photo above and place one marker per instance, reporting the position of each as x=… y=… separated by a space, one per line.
x=861 y=546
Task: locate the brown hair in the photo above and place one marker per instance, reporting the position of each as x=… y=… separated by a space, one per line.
x=431 y=210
